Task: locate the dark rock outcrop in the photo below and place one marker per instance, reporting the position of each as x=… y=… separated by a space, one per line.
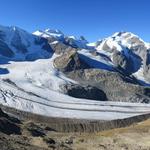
x=8 y=125
x=116 y=86
x=35 y=130
x=122 y=62
x=147 y=66
x=126 y=61
x=87 y=92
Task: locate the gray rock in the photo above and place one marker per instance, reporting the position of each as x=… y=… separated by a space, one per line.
x=87 y=92
x=128 y=64
x=116 y=86
x=60 y=47
x=146 y=71
x=69 y=61
x=120 y=60
x=139 y=50
x=8 y=125
x=106 y=47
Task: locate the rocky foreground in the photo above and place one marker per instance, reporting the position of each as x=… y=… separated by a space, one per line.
x=29 y=134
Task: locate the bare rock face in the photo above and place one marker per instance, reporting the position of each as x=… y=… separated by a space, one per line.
x=60 y=47
x=69 y=61
x=128 y=64
x=116 y=86
x=147 y=66
x=87 y=92
x=127 y=52
x=106 y=47
x=120 y=60
x=103 y=84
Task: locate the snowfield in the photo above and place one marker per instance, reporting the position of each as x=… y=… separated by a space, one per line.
x=33 y=86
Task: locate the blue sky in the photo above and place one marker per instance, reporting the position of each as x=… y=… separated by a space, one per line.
x=94 y=19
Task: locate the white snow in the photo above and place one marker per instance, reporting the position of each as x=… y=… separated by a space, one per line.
x=59 y=36
x=140 y=76
x=55 y=42
x=54 y=104
x=37 y=90
x=93 y=44
x=121 y=41
x=37 y=83
x=50 y=33
x=95 y=61
x=72 y=37
x=39 y=73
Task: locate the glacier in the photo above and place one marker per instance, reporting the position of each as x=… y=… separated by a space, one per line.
x=30 y=82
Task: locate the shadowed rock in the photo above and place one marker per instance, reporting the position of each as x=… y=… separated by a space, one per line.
x=116 y=86
x=147 y=66
x=35 y=130
x=87 y=92
x=7 y=125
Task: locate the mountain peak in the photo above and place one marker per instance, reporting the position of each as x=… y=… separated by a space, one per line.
x=54 y=31
x=124 y=34
x=119 y=33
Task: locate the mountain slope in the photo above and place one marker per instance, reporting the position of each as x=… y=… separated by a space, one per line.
x=52 y=74
x=18 y=44
x=128 y=52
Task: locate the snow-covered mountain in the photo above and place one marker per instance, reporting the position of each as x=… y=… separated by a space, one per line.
x=55 y=36
x=16 y=43
x=53 y=74
x=129 y=52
